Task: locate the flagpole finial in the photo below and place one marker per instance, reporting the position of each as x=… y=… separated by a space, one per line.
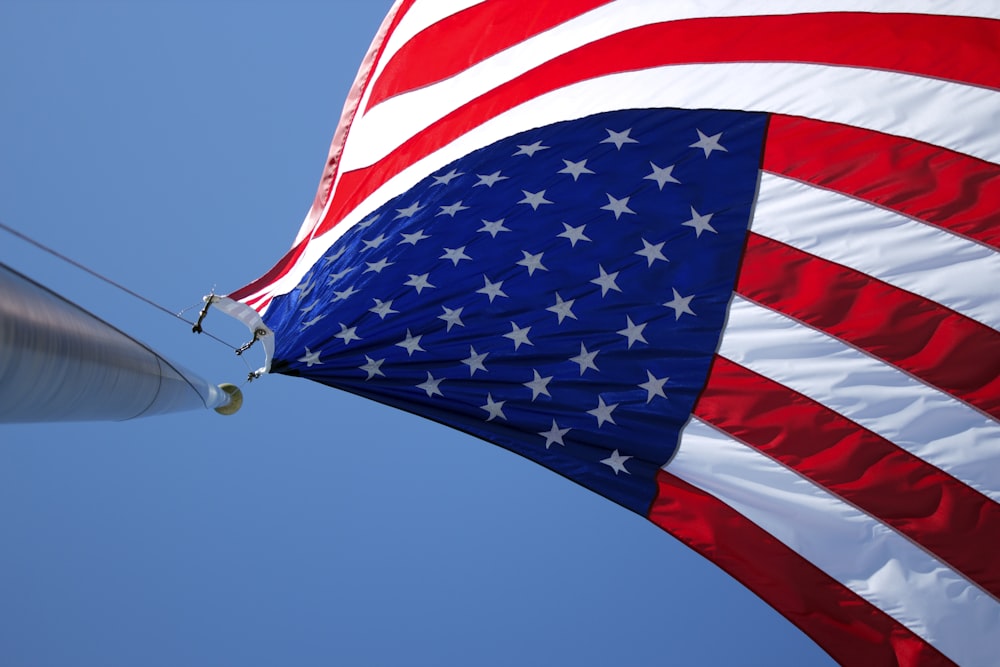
x=235 y=399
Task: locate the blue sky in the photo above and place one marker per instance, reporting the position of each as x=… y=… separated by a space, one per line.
x=175 y=148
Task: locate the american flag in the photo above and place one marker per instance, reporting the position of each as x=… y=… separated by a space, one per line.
x=737 y=273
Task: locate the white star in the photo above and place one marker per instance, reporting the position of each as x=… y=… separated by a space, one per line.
x=430 y=385
x=475 y=361
x=456 y=255
x=652 y=252
x=617 y=462
x=373 y=367
x=532 y=262
x=367 y=222
x=311 y=358
x=617 y=206
x=409 y=211
x=562 y=309
x=518 y=335
x=538 y=385
x=530 y=149
x=419 y=282
x=585 y=359
x=494 y=408
x=619 y=138
x=494 y=227
x=411 y=344
x=708 y=144
x=374 y=243
x=304 y=294
x=633 y=332
x=306 y=325
x=452 y=209
x=606 y=281
x=489 y=179
x=575 y=169
x=653 y=386
x=574 y=234
x=344 y=294
x=452 y=317
x=534 y=199
x=446 y=178
x=681 y=305
x=700 y=223
x=377 y=266
x=329 y=259
x=662 y=176
x=492 y=290
x=413 y=238
x=347 y=334
x=337 y=276
x=382 y=309
x=603 y=412
x=307 y=309
x=554 y=435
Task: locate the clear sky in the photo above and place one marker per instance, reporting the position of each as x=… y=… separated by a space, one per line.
x=175 y=147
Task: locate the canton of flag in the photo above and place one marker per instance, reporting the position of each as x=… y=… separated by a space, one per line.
x=732 y=271
x=560 y=293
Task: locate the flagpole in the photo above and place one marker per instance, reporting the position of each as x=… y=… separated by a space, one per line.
x=59 y=362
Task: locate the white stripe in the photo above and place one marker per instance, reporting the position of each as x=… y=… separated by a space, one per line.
x=890 y=572
x=929 y=424
x=625 y=14
x=649 y=88
x=960 y=117
x=949 y=269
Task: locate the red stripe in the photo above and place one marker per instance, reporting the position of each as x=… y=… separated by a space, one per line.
x=850 y=629
x=330 y=169
x=939 y=346
x=351 y=105
x=953 y=191
x=946 y=47
x=946 y=517
x=641 y=48
x=468 y=37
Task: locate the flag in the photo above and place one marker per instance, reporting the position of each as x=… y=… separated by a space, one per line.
x=736 y=272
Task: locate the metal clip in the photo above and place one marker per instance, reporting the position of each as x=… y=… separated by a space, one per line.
x=257 y=335
x=209 y=300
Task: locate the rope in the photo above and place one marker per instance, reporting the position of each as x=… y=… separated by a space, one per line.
x=41 y=246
